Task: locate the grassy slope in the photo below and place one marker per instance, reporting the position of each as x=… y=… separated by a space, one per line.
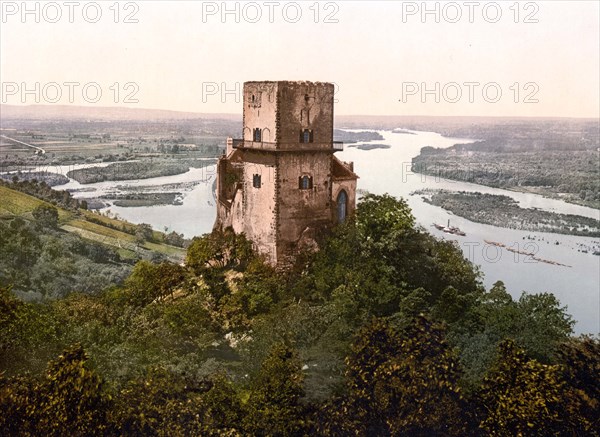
x=20 y=204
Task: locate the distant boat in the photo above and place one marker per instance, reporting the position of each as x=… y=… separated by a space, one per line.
x=457 y=231
x=449 y=229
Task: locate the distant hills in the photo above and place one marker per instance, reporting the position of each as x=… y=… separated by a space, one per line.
x=100 y=113
x=105 y=113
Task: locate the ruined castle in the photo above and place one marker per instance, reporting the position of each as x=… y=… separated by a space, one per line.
x=281 y=184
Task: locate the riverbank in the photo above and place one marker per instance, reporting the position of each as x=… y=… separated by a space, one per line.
x=51 y=179
x=145 y=199
x=124 y=171
x=503 y=211
x=570 y=175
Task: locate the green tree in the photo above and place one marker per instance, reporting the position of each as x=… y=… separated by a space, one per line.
x=46 y=216
x=174 y=239
x=256 y=291
x=535 y=322
x=373 y=346
x=19 y=397
x=418 y=390
x=71 y=400
x=383 y=258
x=201 y=251
x=221 y=408
x=143 y=233
x=520 y=396
x=74 y=399
x=10 y=315
x=159 y=403
x=149 y=282
x=380 y=219
x=273 y=407
x=405 y=384
x=580 y=358
x=544 y=324
x=222 y=249
x=28 y=333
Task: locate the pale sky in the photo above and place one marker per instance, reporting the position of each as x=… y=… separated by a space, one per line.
x=381 y=55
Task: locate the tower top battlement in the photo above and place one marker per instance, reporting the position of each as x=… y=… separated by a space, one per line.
x=286 y=115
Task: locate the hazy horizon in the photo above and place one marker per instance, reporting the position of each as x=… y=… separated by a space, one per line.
x=491 y=59
x=239 y=113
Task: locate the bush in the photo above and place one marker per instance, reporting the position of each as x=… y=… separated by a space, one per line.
x=46 y=216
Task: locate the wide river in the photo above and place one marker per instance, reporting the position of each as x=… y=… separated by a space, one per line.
x=388 y=171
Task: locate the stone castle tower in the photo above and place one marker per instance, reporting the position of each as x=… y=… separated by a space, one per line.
x=281 y=184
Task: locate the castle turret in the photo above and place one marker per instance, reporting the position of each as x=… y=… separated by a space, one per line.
x=281 y=183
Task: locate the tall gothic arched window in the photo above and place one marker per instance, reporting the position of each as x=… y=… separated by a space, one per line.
x=342 y=205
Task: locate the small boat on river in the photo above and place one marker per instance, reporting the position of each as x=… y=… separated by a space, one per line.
x=449 y=229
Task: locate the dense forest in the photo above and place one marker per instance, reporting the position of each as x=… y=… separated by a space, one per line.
x=51 y=246
x=384 y=331
x=41 y=261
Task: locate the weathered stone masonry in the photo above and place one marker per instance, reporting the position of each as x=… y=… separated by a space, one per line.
x=281 y=183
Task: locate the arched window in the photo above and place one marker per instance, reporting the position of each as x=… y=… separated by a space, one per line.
x=306 y=136
x=342 y=204
x=257 y=135
x=305 y=182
